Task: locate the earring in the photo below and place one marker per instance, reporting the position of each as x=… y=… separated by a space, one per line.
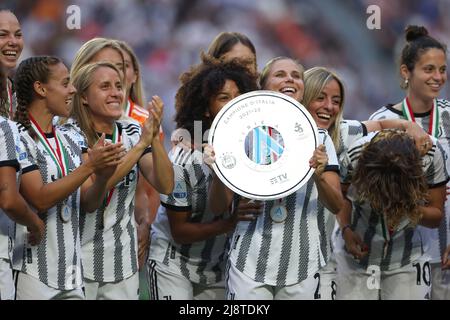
x=406 y=83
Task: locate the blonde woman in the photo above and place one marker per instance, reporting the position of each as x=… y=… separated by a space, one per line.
x=109 y=235
x=110 y=50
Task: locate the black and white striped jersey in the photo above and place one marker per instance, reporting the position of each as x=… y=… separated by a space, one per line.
x=440 y=236
x=288 y=252
x=56 y=261
x=201 y=262
x=406 y=243
x=350 y=131
x=109 y=234
x=12 y=154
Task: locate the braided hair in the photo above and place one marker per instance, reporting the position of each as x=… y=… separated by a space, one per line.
x=29 y=71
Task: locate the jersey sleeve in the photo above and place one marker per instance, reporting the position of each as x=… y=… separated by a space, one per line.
x=29 y=162
x=351 y=131
x=435 y=170
x=9 y=148
x=325 y=139
x=350 y=158
x=180 y=198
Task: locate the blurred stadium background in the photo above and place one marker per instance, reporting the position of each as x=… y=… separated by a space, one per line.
x=168 y=36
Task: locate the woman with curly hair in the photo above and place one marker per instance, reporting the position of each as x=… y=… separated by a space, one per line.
x=188 y=246
x=393 y=190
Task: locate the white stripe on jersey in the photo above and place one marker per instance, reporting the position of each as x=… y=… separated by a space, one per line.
x=203 y=261
x=286 y=253
x=440 y=236
x=56 y=260
x=110 y=246
x=12 y=154
x=350 y=131
x=406 y=243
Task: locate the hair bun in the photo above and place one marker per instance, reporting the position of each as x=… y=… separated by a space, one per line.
x=414 y=32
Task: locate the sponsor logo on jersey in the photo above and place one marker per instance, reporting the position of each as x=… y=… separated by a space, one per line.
x=179 y=191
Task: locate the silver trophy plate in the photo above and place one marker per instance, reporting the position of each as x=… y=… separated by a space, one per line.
x=263 y=141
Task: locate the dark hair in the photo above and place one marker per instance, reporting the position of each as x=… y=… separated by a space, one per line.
x=201 y=83
x=224 y=41
x=390 y=178
x=29 y=71
x=3 y=93
x=418 y=41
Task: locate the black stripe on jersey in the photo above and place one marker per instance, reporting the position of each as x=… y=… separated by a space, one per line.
x=132 y=129
x=16 y=279
x=10 y=163
x=264 y=250
x=177 y=158
x=175 y=208
x=355 y=151
x=153 y=279
x=41 y=259
x=21 y=127
x=365 y=132
x=374 y=219
x=244 y=248
x=132 y=132
x=186 y=158
x=117 y=232
x=286 y=245
x=334 y=168
x=33 y=167
x=439 y=184
x=407 y=250
x=61 y=248
x=432 y=151
x=304 y=234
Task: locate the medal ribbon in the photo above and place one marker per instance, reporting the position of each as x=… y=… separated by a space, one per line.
x=433 y=128
x=58 y=155
x=115 y=139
